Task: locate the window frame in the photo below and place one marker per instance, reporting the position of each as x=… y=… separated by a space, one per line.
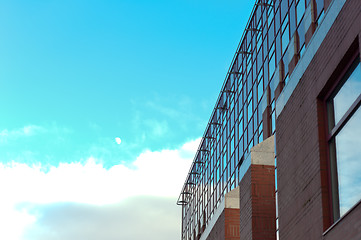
x=333 y=129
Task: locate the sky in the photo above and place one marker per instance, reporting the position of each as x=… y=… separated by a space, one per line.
x=102 y=106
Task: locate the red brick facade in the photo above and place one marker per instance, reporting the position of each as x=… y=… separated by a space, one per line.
x=257 y=203
x=227 y=226
x=255 y=219
x=303 y=178
x=231 y=224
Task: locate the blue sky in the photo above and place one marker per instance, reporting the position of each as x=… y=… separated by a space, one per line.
x=74 y=75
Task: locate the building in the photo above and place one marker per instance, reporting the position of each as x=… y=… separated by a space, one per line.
x=280 y=156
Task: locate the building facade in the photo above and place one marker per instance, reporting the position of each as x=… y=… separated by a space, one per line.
x=280 y=156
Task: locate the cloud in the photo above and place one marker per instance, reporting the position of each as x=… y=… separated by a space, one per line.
x=167 y=111
x=156 y=128
x=30 y=130
x=118 y=140
x=13 y=136
x=34 y=199
x=136 y=218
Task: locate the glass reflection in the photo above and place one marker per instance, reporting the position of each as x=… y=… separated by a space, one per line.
x=347 y=94
x=300 y=10
x=348 y=154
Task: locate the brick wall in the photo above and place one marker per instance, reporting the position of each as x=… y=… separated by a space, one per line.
x=349 y=229
x=227 y=226
x=302 y=168
x=263 y=202
x=257 y=203
x=246 y=206
x=231 y=224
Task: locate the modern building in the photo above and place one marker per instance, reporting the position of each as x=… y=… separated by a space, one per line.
x=280 y=157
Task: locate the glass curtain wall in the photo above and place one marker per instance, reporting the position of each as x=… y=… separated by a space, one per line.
x=275 y=33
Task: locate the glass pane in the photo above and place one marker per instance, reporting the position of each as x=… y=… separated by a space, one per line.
x=278 y=48
x=319 y=7
x=348 y=153
x=293 y=23
x=272 y=66
x=271 y=35
x=270 y=15
x=260 y=89
x=300 y=10
x=301 y=32
x=284 y=9
x=273 y=122
x=285 y=39
x=347 y=94
x=276 y=204
x=276 y=178
x=277 y=20
x=250 y=109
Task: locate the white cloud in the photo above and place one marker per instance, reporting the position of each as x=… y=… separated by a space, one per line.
x=26 y=131
x=118 y=140
x=157 y=174
x=13 y=222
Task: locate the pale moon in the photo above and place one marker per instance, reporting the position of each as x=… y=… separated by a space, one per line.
x=118 y=140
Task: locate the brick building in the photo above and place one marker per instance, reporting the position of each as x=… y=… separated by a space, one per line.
x=280 y=156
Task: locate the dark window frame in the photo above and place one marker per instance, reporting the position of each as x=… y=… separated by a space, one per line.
x=331 y=132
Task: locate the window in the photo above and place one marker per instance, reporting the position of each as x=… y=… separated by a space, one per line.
x=285 y=38
x=300 y=9
x=344 y=141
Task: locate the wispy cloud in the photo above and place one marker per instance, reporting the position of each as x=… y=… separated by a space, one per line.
x=37 y=143
x=30 y=130
x=167 y=111
x=36 y=198
x=156 y=128
x=174 y=107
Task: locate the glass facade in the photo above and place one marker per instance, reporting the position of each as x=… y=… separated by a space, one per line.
x=274 y=35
